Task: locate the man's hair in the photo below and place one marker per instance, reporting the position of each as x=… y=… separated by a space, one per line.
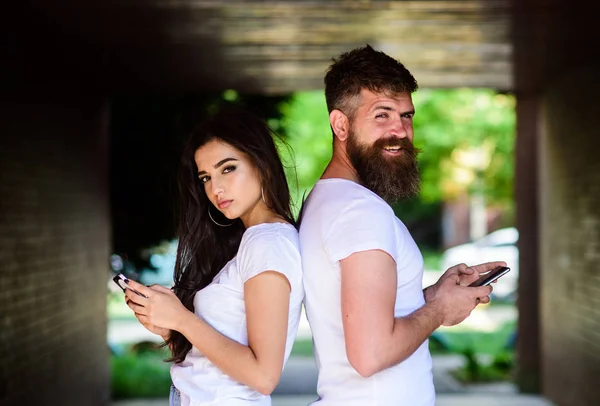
x=364 y=68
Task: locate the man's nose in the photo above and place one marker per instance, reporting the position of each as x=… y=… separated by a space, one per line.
x=399 y=128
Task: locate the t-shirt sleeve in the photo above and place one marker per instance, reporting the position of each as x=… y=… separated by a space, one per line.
x=270 y=252
x=363 y=225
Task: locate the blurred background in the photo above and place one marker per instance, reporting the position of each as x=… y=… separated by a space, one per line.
x=98 y=97
x=465 y=213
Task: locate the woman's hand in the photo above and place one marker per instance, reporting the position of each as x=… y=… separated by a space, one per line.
x=160 y=311
x=163 y=332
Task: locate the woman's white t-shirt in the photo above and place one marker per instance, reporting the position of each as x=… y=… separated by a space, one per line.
x=264 y=247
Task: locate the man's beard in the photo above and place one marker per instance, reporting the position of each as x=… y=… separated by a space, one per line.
x=390 y=177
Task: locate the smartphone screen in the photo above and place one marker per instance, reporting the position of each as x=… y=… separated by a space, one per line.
x=121 y=280
x=491 y=276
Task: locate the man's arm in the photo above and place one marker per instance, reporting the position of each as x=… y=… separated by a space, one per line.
x=375 y=339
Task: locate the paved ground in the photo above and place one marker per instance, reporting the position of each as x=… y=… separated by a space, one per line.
x=442 y=400
x=298 y=382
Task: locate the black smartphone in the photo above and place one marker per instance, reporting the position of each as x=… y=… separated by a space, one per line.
x=122 y=280
x=491 y=276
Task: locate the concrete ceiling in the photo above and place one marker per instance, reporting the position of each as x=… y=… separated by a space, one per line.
x=281 y=46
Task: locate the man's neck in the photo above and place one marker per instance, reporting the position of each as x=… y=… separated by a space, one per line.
x=341 y=168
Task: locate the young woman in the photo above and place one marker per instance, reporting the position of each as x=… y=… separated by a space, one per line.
x=231 y=318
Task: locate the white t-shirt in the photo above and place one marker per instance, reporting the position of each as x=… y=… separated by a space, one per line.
x=264 y=247
x=341 y=217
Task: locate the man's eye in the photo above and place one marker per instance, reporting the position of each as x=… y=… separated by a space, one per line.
x=381 y=115
x=408 y=115
x=230 y=168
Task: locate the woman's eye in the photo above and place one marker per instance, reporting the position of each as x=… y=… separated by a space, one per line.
x=229 y=169
x=204 y=179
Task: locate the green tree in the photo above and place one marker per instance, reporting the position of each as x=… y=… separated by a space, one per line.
x=453 y=127
x=305 y=127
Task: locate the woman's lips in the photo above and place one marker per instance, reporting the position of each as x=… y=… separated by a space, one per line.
x=224 y=204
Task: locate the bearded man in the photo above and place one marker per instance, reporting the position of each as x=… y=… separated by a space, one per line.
x=368 y=313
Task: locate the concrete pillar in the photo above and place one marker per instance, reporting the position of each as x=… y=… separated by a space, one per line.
x=54 y=228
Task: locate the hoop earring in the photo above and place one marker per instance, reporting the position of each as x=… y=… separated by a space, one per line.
x=219 y=224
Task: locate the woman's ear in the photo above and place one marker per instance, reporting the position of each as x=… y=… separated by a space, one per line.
x=339 y=124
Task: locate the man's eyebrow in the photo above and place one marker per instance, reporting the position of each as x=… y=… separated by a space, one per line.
x=218 y=164
x=382 y=107
x=388 y=108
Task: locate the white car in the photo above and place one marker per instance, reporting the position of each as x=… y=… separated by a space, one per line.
x=500 y=245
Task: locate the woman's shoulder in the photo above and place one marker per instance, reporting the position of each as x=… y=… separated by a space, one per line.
x=270 y=234
x=271 y=246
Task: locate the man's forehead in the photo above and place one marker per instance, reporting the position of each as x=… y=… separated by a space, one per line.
x=369 y=98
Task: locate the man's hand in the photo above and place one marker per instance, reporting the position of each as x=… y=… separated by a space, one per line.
x=466 y=276
x=454 y=301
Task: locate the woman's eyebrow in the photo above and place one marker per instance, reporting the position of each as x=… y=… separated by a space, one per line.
x=218 y=164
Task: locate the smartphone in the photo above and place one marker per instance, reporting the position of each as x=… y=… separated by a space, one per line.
x=491 y=276
x=122 y=280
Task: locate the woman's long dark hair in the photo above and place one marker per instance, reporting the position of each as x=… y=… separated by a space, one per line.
x=204 y=247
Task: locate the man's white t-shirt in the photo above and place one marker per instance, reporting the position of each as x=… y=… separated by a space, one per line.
x=341 y=217
x=264 y=247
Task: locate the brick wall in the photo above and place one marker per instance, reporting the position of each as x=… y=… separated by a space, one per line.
x=570 y=239
x=54 y=248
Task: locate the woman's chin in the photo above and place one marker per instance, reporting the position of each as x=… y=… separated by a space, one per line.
x=230 y=215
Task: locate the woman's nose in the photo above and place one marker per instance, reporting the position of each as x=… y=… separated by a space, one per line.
x=217 y=188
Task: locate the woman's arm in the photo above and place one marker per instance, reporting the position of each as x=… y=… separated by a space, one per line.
x=257 y=365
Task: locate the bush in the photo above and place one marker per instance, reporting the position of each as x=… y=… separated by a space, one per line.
x=141 y=375
x=474 y=371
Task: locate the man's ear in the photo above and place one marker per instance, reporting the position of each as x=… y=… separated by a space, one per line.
x=340 y=124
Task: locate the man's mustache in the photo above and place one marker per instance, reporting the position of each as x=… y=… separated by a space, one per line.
x=403 y=143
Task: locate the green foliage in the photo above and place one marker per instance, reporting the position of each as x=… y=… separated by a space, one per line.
x=482 y=342
x=305 y=125
x=437 y=345
x=474 y=370
x=431 y=258
x=140 y=375
x=478 y=121
x=303 y=347
x=447 y=123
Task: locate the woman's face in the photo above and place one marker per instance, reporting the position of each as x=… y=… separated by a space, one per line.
x=231 y=181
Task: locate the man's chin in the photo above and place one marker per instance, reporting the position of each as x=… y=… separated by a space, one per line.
x=394 y=193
